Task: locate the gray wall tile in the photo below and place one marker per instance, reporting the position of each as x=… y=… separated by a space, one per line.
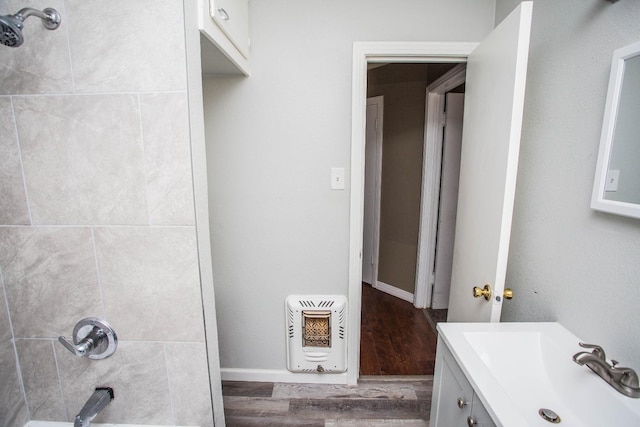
x=167 y=158
x=50 y=279
x=137 y=373
x=13 y=407
x=189 y=388
x=42 y=63
x=5 y=325
x=87 y=152
x=127 y=46
x=150 y=282
x=40 y=378
x=13 y=199
x=84 y=155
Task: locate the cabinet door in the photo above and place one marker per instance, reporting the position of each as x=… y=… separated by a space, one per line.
x=479 y=415
x=232 y=16
x=455 y=396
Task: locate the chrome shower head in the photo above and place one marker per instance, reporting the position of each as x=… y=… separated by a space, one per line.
x=11 y=25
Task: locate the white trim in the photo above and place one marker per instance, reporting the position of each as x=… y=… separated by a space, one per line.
x=201 y=206
x=364 y=52
x=280 y=376
x=431 y=171
x=396 y=292
x=614 y=89
x=379 y=101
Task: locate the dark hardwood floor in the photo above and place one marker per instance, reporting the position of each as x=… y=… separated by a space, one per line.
x=396 y=338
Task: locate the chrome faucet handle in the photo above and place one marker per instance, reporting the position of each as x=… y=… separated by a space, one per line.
x=92 y=338
x=629 y=378
x=626 y=376
x=597 y=350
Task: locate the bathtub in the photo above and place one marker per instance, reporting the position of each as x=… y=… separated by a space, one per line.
x=66 y=424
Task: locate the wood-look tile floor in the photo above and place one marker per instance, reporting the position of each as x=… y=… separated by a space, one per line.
x=396 y=338
x=374 y=402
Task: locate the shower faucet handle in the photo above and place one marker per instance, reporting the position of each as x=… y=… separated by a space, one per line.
x=92 y=338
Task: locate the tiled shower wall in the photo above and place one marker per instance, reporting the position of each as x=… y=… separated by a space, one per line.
x=97 y=216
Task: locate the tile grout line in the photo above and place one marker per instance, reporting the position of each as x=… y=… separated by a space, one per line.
x=24 y=176
x=114 y=93
x=55 y=359
x=144 y=159
x=166 y=368
x=98 y=277
x=66 y=29
x=15 y=347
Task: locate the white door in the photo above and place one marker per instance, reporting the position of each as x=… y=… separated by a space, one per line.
x=372 y=173
x=451 y=146
x=496 y=74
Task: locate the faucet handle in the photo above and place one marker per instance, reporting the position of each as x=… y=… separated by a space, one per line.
x=597 y=350
x=93 y=338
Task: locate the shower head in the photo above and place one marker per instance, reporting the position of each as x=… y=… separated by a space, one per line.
x=11 y=25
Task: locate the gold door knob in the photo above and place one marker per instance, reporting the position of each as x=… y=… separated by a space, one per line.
x=508 y=293
x=482 y=292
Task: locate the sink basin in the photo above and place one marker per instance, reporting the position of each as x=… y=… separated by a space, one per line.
x=518 y=368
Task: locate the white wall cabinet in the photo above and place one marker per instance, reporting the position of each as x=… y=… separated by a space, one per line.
x=232 y=16
x=454 y=401
x=225 y=24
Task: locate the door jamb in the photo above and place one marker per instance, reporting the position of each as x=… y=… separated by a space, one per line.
x=363 y=53
x=379 y=101
x=431 y=171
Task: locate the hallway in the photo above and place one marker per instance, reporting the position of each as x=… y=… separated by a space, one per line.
x=396 y=338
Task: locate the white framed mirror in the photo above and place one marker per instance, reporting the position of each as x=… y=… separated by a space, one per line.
x=616 y=188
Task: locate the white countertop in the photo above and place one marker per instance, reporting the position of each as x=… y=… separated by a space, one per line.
x=518 y=368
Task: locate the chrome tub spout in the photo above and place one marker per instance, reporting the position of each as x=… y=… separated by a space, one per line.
x=100 y=398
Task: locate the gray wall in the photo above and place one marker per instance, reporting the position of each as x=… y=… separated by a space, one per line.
x=276 y=227
x=97 y=215
x=567 y=262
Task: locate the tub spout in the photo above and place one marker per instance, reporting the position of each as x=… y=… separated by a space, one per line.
x=96 y=403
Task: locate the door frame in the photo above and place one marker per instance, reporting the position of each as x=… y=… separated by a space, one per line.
x=379 y=101
x=431 y=171
x=364 y=53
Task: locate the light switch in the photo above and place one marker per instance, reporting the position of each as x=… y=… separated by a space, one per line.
x=337 y=178
x=613 y=177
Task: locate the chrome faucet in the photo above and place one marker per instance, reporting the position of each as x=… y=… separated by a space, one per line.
x=625 y=380
x=100 y=398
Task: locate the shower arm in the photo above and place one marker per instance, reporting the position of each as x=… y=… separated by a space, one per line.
x=50 y=17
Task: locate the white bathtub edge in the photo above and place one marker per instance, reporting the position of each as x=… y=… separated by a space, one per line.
x=66 y=424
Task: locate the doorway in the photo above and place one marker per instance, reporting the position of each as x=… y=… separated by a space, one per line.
x=488 y=169
x=364 y=54
x=396 y=336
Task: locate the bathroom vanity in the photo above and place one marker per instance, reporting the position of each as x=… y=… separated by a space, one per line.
x=520 y=374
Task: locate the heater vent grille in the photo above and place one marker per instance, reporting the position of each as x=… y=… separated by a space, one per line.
x=316 y=333
x=320 y=304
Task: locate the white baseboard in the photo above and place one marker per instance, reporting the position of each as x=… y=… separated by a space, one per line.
x=280 y=376
x=396 y=292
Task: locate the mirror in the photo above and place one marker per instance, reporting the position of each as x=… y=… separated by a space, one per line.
x=617 y=183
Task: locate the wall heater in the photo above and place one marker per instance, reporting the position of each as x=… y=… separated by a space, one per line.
x=316 y=333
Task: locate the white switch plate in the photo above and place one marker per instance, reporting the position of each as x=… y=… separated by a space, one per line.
x=613 y=177
x=337 y=178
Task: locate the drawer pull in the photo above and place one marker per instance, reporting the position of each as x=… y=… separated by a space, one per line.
x=462 y=403
x=223 y=13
